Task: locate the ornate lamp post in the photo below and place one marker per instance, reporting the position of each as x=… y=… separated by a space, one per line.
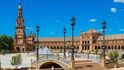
x=104 y=46
x=64 y=31
x=0 y=64
x=0 y=58
x=72 y=47
x=37 y=56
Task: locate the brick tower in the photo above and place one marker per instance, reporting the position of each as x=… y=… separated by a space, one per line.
x=20 y=36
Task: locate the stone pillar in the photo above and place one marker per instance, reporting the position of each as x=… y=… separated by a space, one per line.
x=72 y=65
x=52 y=68
x=80 y=48
x=103 y=63
x=91 y=48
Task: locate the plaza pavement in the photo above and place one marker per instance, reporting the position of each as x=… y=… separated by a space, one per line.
x=26 y=59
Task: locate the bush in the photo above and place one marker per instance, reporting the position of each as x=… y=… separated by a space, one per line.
x=16 y=60
x=113 y=55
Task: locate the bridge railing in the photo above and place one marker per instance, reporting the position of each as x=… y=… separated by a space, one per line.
x=52 y=57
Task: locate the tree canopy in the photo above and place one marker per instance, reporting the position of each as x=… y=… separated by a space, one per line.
x=6 y=43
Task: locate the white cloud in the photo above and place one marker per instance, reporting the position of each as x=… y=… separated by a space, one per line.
x=119 y=1
x=92 y=20
x=29 y=28
x=113 y=10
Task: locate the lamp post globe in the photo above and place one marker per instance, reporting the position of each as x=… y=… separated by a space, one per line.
x=73 y=21
x=37 y=28
x=103 y=24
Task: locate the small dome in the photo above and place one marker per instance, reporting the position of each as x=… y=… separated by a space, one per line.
x=20 y=6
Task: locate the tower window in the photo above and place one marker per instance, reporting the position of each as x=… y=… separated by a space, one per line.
x=19 y=24
x=19 y=31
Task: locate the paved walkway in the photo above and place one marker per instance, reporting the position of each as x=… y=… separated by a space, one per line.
x=122 y=68
x=88 y=65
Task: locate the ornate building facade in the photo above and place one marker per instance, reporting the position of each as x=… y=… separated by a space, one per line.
x=87 y=41
x=93 y=40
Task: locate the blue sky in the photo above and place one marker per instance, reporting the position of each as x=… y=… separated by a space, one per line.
x=54 y=15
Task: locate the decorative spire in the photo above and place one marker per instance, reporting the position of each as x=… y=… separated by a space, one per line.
x=20 y=8
x=20 y=4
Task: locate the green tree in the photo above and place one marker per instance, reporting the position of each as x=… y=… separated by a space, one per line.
x=113 y=55
x=6 y=43
x=16 y=60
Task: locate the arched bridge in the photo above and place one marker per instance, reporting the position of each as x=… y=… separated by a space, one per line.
x=51 y=62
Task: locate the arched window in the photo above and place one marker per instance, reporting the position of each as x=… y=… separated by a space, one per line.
x=95 y=47
x=82 y=47
x=108 y=47
x=115 y=47
x=98 y=47
x=77 y=47
x=54 y=47
x=61 y=47
x=122 y=47
x=82 y=41
x=85 y=47
x=88 y=42
x=112 y=47
x=51 y=47
x=19 y=24
x=119 y=47
x=57 y=47
x=88 y=47
x=47 y=46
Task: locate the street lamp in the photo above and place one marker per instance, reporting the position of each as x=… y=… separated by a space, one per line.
x=64 y=31
x=72 y=47
x=0 y=58
x=37 y=56
x=0 y=64
x=104 y=46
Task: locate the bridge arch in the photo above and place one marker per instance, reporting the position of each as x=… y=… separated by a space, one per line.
x=58 y=64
